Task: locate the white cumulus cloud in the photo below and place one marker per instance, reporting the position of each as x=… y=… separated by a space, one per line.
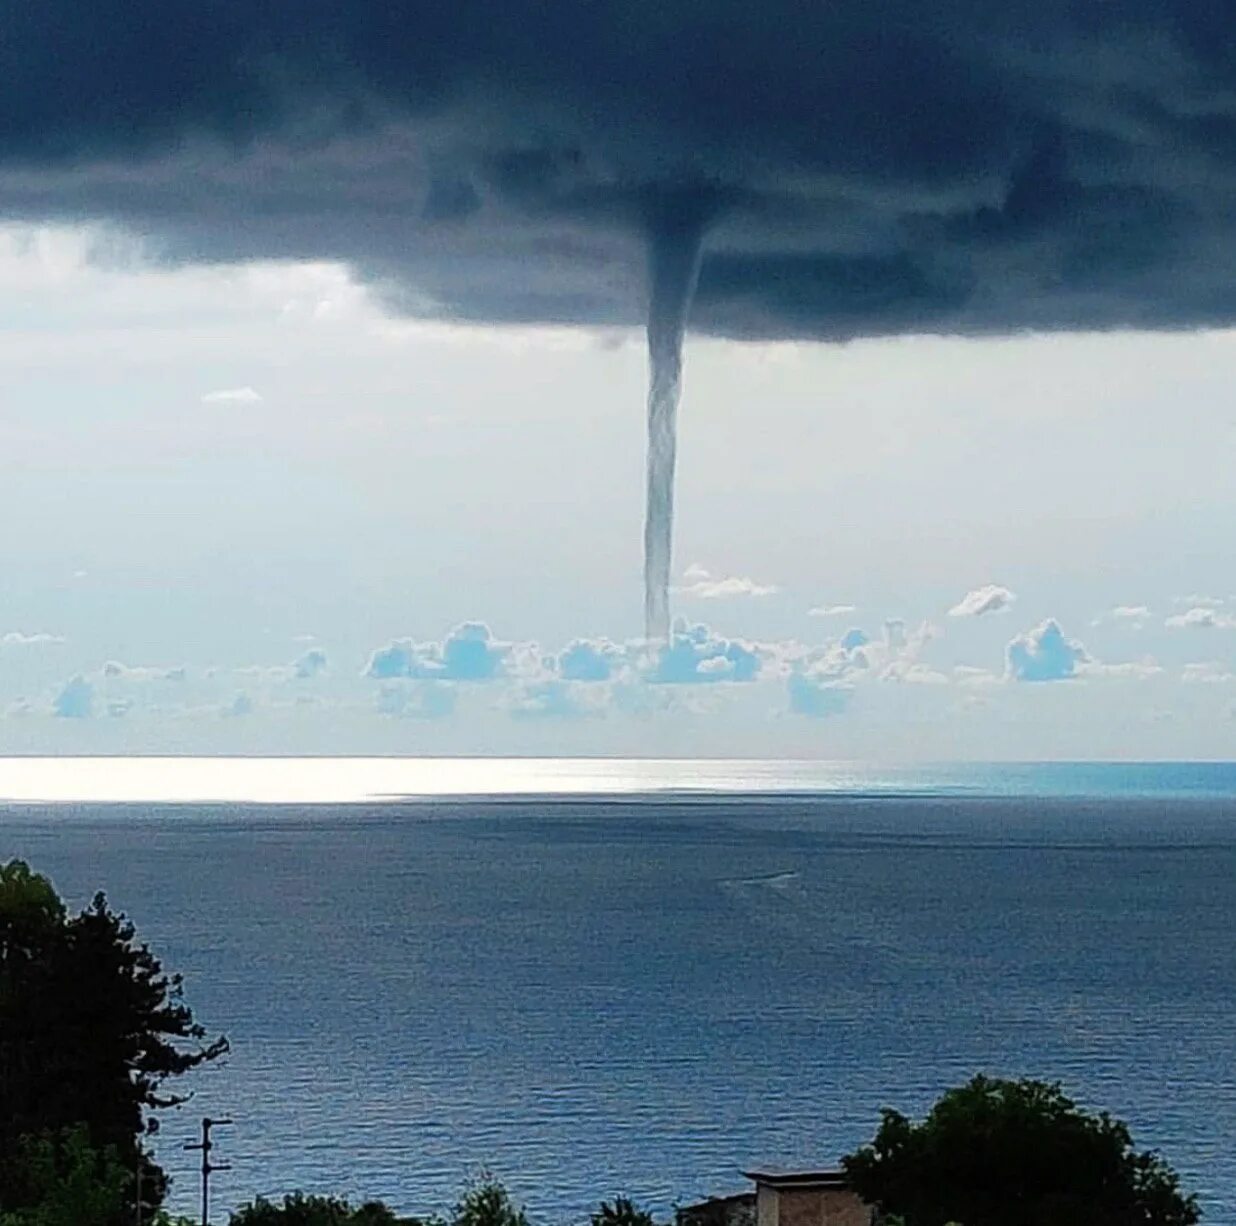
x=991 y=598
x=704 y=585
x=468 y=653
x=1134 y=615
x=310 y=664
x=233 y=395
x=1130 y=670
x=75 y=700
x=240 y=706
x=1206 y=672
x=1044 y=654
x=694 y=654
x=1201 y=617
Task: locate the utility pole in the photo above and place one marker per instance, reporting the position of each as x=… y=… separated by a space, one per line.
x=206 y=1145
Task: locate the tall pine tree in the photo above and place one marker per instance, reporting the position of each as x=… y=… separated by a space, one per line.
x=91 y=1029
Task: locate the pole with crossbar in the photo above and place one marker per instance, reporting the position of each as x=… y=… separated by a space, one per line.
x=208 y=1167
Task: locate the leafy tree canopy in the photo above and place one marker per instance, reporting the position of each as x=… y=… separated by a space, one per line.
x=1015 y=1153
x=487 y=1203
x=68 y=1182
x=301 y=1210
x=623 y=1212
x=91 y=1029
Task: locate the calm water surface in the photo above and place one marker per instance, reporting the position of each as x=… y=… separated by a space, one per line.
x=645 y=993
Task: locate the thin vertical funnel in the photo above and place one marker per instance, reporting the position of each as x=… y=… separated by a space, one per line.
x=674 y=261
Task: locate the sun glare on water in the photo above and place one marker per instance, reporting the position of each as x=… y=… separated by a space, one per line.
x=356 y=780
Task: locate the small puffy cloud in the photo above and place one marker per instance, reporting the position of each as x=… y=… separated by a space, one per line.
x=15 y=638
x=705 y=586
x=75 y=700
x=240 y=706
x=113 y=670
x=914 y=673
x=975 y=678
x=1129 y=670
x=589 y=660
x=1201 y=617
x=896 y=658
x=1206 y=672
x=846 y=660
x=991 y=598
x=1133 y=615
x=398 y=659
x=309 y=665
x=895 y=634
x=468 y=653
x=233 y=395
x=556 y=699
x=817 y=699
x=420 y=700
x=822 y=680
x=695 y=655
x=1044 y=654
x=831 y=610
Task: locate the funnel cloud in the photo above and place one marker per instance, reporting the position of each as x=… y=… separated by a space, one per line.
x=674 y=262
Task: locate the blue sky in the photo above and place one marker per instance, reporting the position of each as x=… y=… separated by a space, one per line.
x=250 y=511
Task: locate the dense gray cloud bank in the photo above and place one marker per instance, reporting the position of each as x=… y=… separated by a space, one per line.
x=858 y=168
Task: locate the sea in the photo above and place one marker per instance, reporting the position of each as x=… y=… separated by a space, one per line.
x=594 y=978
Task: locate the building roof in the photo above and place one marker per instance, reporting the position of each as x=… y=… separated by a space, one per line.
x=712 y=1202
x=799 y=1179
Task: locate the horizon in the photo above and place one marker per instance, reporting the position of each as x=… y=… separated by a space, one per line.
x=333 y=780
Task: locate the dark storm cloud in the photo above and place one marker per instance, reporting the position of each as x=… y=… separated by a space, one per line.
x=864 y=168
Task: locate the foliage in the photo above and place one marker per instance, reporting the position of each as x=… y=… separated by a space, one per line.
x=623 y=1212
x=301 y=1210
x=1015 y=1153
x=487 y=1203
x=91 y=1027
x=68 y=1182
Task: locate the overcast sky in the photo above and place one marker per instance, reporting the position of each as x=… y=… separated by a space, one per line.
x=247 y=509
x=324 y=377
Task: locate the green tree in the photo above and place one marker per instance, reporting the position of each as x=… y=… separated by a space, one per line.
x=91 y=1028
x=623 y=1212
x=486 y=1202
x=1015 y=1153
x=68 y=1182
x=301 y=1210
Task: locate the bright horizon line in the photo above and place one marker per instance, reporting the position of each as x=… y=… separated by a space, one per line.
x=371 y=779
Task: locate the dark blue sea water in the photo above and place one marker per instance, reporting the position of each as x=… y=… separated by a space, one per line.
x=645 y=993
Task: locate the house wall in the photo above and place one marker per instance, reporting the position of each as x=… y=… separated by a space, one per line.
x=843 y=1208
x=810 y=1207
x=765 y=1206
